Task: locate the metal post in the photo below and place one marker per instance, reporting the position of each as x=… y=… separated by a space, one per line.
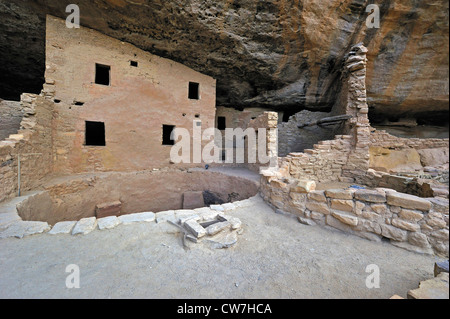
x=18 y=172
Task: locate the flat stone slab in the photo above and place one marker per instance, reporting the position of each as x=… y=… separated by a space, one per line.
x=339 y=194
x=408 y=201
x=218 y=227
x=162 y=217
x=234 y=221
x=346 y=219
x=186 y=214
x=306 y=221
x=108 y=222
x=371 y=196
x=195 y=228
x=440 y=266
x=229 y=206
x=85 y=226
x=9 y=218
x=217 y=208
x=137 y=218
x=22 y=229
x=62 y=228
x=436 y=288
x=223 y=240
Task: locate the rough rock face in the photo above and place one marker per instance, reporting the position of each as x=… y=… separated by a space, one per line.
x=284 y=54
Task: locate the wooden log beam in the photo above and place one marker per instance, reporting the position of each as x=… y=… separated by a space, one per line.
x=328 y=121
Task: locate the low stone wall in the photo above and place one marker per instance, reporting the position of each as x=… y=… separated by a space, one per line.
x=410 y=222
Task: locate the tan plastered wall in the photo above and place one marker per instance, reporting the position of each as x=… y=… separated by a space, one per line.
x=138 y=101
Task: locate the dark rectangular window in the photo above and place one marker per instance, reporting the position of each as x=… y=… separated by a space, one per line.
x=102 y=74
x=194 y=91
x=221 y=123
x=95 y=134
x=134 y=63
x=167 y=135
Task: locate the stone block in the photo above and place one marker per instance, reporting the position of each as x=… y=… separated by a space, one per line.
x=108 y=222
x=62 y=228
x=380 y=209
x=370 y=226
x=195 y=228
x=342 y=205
x=441 y=234
x=217 y=208
x=411 y=215
x=405 y=225
x=318 y=207
x=22 y=229
x=436 y=288
x=436 y=222
x=394 y=233
x=440 y=267
x=192 y=200
x=137 y=218
x=408 y=201
x=108 y=209
x=85 y=226
x=339 y=194
x=304 y=187
x=317 y=196
x=419 y=239
x=228 y=206
x=306 y=221
x=346 y=219
x=371 y=196
x=218 y=227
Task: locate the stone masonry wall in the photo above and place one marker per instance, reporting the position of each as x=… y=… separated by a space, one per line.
x=33 y=143
x=292 y=139
x=386 y=140
x=10 y=117
x=347 y=156
x=410 y=222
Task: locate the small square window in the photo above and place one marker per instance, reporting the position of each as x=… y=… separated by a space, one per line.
x=95 y=134
x=134 y=64
x=221 y=123
x=102 y=74
x=167 y=135
x=194 y=91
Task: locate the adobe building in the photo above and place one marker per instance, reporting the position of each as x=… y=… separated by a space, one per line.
x=115 y=105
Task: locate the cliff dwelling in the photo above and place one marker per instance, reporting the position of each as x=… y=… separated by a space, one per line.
x=91 y=141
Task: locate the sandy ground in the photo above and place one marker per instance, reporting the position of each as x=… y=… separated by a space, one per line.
x=275 y=257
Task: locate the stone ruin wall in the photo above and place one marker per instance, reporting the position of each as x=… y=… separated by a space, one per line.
x=408 y=221
x=294 y=140
x=11 y=115
x=33 y=142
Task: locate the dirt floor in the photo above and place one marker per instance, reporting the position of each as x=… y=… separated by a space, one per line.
x=275 y=257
